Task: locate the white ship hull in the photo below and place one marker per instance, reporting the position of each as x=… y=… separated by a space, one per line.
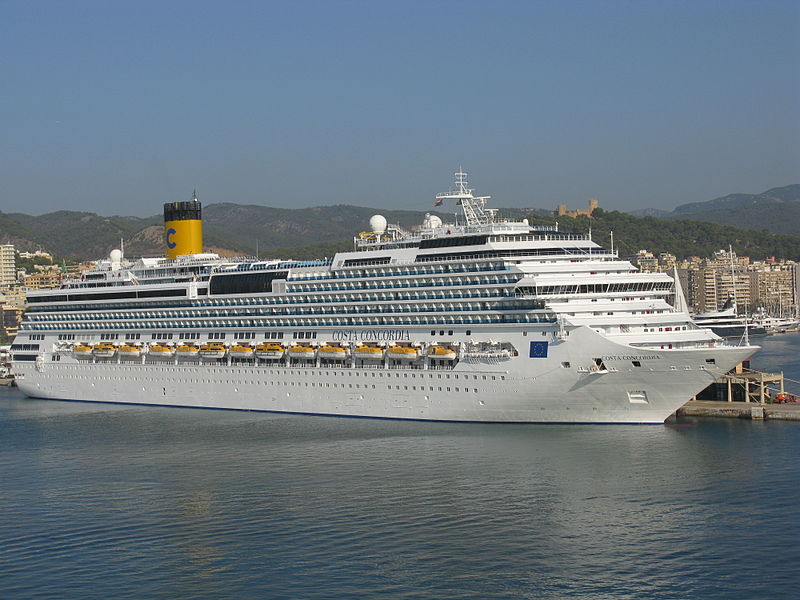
x=520 y=389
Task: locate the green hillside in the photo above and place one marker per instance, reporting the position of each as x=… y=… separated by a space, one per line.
x=322 y=231
x=244 y=225
x=69 y=234
x=228 y=228
x=776 y=210
x=682 y=238
x=774 y=217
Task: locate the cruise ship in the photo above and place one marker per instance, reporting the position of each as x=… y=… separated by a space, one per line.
x=480 y=319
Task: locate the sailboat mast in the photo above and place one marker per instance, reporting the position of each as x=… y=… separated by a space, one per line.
x=733 y=283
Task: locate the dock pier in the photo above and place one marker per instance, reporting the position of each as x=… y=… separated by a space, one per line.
x=745 y=394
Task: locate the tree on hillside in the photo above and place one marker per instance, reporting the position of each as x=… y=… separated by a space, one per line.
x=681 y=238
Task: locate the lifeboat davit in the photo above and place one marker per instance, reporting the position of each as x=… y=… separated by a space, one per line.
x=213 y=350
x=402 y=353
x=82 y=351
x=104 y=350
x=441 y=353
x=302 y=352
x=161 y=351
x=188 y=351
x=241 y=351
x=270 y=351
x=329 y=352
x=129 y=351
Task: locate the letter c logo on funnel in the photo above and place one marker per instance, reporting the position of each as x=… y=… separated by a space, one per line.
x=170 y=233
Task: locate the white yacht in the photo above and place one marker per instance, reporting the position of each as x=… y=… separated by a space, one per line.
x=726 y=323
x=479 y=319
x=772 y=324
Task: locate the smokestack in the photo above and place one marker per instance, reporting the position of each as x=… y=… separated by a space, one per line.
x=183 y=228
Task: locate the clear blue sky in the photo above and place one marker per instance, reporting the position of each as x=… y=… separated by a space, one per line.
x=118 y=106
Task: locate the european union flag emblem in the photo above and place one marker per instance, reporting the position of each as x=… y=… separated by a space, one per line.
x=538 y=350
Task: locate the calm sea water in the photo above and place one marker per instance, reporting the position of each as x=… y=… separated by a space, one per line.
x=110 y=501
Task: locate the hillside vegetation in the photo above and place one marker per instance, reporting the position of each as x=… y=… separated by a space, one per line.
x=777 y=210
x=682 y=238
x=233 y=229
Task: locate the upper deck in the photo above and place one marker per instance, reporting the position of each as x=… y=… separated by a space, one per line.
x=475 y=225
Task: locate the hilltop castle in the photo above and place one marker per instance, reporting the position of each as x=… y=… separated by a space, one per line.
x=563 y=210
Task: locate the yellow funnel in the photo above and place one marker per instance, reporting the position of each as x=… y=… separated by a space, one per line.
x=183 y=228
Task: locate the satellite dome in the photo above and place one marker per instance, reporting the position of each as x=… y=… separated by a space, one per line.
x=431 y=221
x=116 y=255
x=378 y=223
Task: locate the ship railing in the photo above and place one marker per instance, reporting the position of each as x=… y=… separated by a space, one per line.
x=418 y=365
x=496 y=226
x=500 y=355
x=296 y=289
x=351 y=275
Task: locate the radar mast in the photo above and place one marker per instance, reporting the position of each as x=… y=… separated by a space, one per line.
x=473 y=206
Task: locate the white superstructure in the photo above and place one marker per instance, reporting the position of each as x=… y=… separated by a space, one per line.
x=482 y=320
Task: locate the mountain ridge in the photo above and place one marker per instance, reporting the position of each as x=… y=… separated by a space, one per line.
x=776 y=210
x=236 y=229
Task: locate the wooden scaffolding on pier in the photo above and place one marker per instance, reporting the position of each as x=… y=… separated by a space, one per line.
x=756 y=386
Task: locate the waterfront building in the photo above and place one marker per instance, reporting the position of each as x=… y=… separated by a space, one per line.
x=769 y=284
x=37 y=254
x=773 y=284
x=667 y=261
x=646 y=261
x=8 y=265
x=43 y=279
x=11 y=317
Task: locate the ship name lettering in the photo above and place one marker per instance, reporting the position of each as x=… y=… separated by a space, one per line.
x=370 y=335
x=633 y=357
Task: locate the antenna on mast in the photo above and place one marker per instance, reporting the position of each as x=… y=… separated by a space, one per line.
x=473 y=207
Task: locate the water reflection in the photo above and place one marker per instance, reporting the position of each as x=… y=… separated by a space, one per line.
x=167 y=503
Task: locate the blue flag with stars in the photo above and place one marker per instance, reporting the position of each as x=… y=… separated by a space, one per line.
x=538 y=350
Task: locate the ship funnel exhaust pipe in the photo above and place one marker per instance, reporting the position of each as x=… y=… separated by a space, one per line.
x=183 y=228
